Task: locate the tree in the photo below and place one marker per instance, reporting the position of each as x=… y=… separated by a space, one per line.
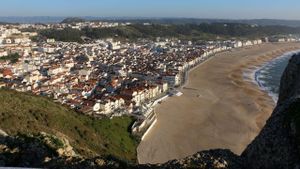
x=13 y=58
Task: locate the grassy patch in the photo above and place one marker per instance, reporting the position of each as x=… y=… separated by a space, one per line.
x=26 y=113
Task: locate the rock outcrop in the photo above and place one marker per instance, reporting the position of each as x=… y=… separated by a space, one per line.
x=212 y=159
x=44 y=150
x=32 y=150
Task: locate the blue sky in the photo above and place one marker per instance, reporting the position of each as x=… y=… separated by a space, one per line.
x=226 y=9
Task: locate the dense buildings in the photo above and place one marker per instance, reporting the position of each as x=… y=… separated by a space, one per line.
x=102 y=76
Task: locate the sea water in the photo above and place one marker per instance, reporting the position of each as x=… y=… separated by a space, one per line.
x=268 y=76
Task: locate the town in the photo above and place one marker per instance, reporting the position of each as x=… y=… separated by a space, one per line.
x=104 y=77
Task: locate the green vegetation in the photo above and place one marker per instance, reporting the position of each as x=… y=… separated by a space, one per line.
x=12 y=58
x=57 y=143
x=65 y=35
x=73 y=20
x=22 y=113
x=194 y=32
x=34 y=39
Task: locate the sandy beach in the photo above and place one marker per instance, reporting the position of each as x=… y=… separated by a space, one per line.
x=219 y=108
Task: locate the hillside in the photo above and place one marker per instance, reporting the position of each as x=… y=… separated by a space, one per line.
x=23 y=113
x=57 y=19
x=192 y=32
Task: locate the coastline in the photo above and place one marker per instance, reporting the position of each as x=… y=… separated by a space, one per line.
x=255 y=74
x=166 y=142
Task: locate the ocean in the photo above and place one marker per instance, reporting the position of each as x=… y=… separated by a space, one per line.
x=268 y=76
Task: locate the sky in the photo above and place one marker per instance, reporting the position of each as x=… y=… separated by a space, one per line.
x=221 y=9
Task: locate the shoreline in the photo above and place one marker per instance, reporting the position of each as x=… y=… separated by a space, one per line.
x=148 y=152
x=253 y=66
x=255 y=74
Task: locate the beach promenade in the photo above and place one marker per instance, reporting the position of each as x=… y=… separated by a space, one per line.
x=219 y=108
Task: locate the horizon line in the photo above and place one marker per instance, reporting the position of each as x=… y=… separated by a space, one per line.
x=149 y=17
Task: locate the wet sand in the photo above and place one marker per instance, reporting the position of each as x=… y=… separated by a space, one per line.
x=219 y=108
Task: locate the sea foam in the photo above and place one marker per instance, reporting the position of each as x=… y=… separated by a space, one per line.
x=268 y=76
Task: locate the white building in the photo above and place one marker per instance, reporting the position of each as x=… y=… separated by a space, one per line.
x=172 y=79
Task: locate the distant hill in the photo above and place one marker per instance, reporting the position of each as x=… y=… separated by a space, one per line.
x=194 y=32
x=272 y=22
x=262 y=22
x=50 y=19
x=73 y=20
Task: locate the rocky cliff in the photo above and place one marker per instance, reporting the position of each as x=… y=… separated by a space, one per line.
x=277 y=146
